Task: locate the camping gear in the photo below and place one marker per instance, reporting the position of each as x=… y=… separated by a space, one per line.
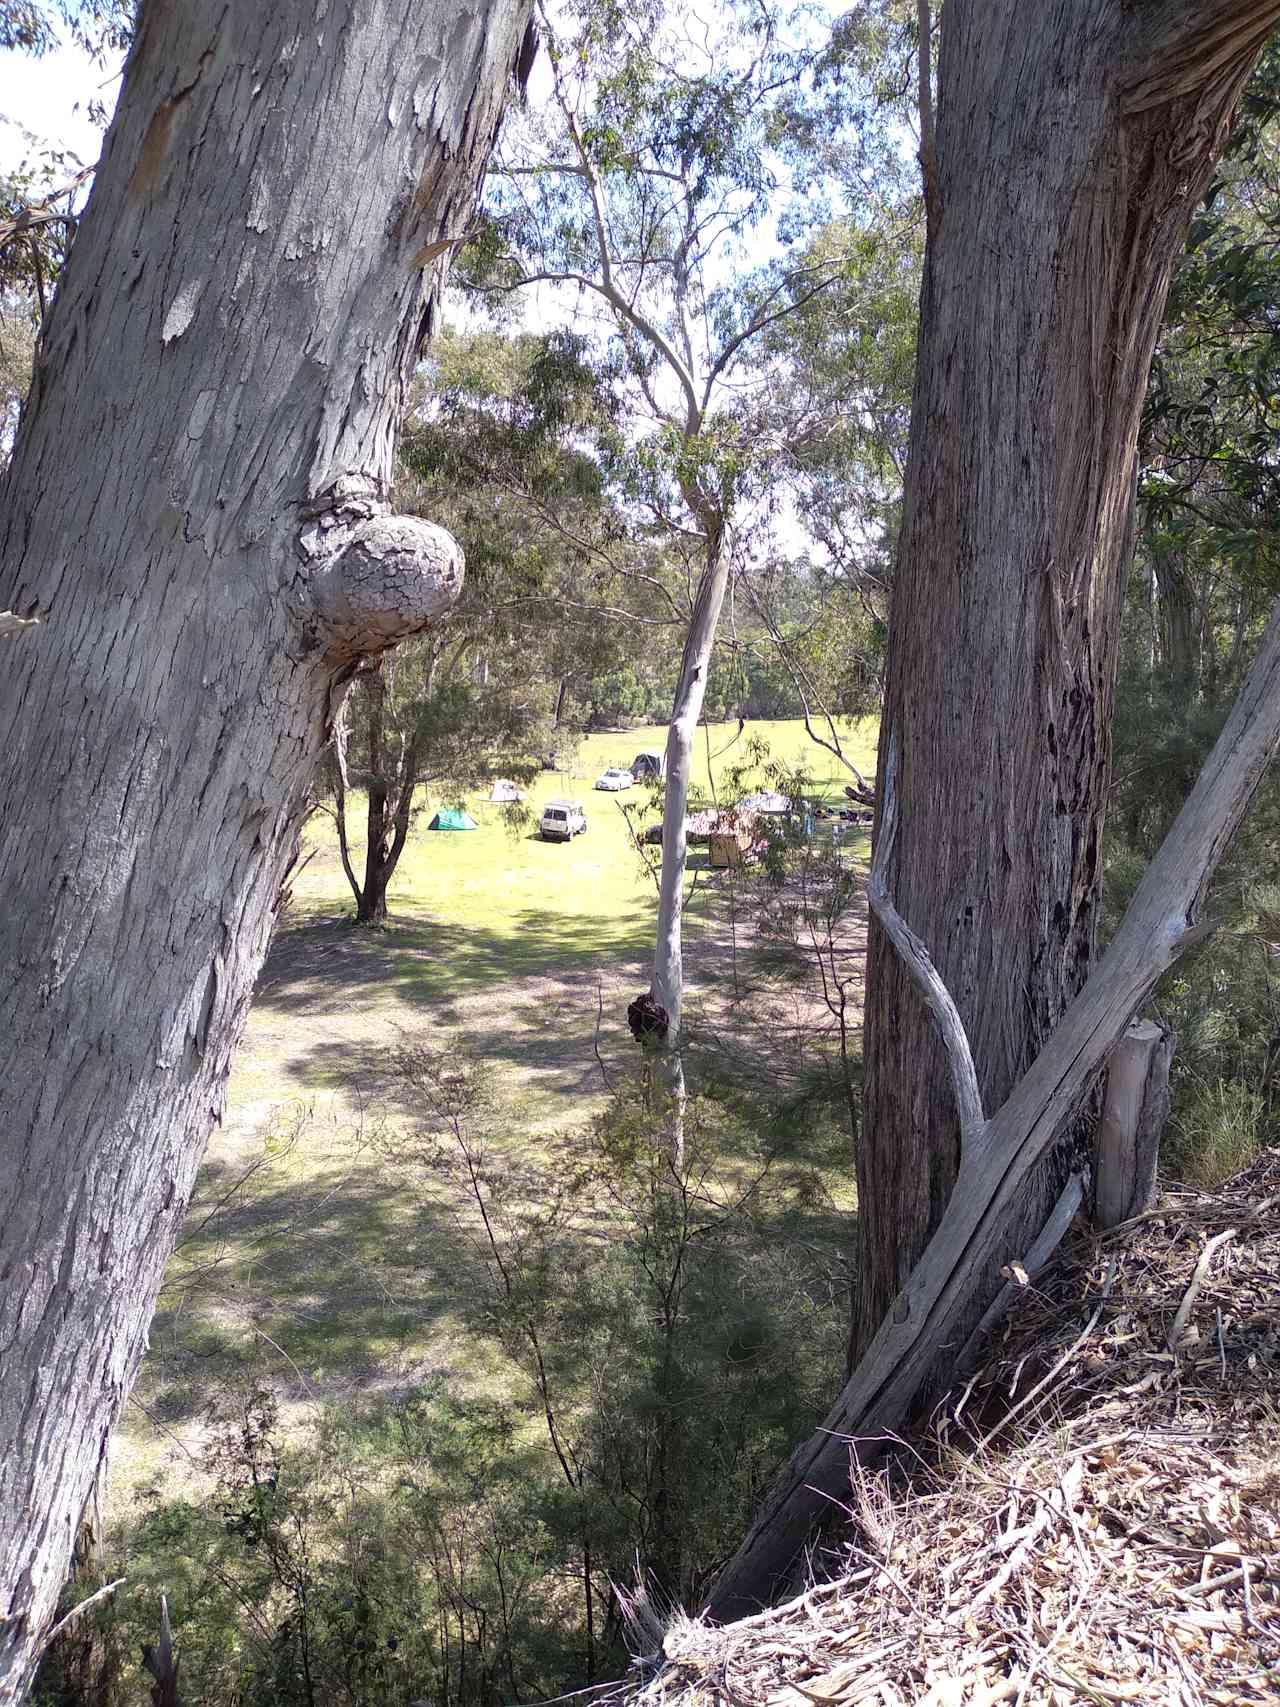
x=649 y=764
x=504 y=791
x=452 y=818
x=725 y=849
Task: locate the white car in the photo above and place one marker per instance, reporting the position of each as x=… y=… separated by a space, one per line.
x=614 y=781
x=561 y=821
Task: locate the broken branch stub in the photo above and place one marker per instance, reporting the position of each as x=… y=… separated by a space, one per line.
x=1126 y=1144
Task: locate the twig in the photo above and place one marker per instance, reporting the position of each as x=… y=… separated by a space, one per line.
x=1050 y=1237
x=924 y=975
x=307 y=1387
x=1057 y=1503
x=1193 y=1291
x=1045 y=1380
x=84 y=1605
x=595 y=1042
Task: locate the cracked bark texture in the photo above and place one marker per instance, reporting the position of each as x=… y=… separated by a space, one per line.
x=1074 y=138
x=197 y=512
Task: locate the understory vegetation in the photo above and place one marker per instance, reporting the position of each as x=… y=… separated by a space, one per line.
x=658 y=1338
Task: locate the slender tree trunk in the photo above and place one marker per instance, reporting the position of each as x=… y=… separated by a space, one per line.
x=197 y=510
x=1178 y=627
x=691 y=688
x=1073 y=141
x=406 y=784
x=341 y=738
x=371 y=909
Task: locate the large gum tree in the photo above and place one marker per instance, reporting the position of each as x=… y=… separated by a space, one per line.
x=198 y=552
x=1074 y=138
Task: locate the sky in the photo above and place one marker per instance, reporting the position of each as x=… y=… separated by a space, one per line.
x=45 y=102
x=49 y=98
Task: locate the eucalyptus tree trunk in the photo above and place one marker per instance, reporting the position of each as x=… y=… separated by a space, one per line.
x=390 y=801
x=686 y=710
x=197 y=513
x=1073 y=142
x=928 y=1323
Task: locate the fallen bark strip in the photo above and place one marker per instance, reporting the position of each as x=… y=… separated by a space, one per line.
x=1162 y=921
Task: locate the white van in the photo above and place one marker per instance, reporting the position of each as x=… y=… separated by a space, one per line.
x=562 y=820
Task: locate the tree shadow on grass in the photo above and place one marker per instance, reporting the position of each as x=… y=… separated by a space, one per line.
x=316 y=964
x=351 y=1281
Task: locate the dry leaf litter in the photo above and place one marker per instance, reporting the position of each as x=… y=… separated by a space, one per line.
x=1094 y=1518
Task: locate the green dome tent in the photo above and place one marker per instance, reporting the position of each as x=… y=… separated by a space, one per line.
x=452 y=818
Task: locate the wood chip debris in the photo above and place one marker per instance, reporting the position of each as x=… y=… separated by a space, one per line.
x=1111 y=1535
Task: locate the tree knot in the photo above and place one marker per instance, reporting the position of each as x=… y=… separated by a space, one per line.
x=648 y=1019
x=373 y=578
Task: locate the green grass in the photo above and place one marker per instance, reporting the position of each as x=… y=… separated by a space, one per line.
x=512 y=902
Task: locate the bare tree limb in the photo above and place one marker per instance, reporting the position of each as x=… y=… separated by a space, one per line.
x=41 y=213
x=82 y=1607
x=1045 y=1244
x=915 y=957
x=1160 y=922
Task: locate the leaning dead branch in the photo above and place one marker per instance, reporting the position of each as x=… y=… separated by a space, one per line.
x=998 y=1155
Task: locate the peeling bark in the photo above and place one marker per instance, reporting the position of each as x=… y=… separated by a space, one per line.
x=197 y=512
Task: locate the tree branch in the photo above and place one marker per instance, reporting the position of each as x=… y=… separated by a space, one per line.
x=1182 y=44
x=802 y=682
x=758 y=324
x=928 y=142
x=605 y=286
x=923 y=973
x=40 y=213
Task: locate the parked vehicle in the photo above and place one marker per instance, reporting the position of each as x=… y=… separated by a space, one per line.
x=614 y=781
x=562 y=820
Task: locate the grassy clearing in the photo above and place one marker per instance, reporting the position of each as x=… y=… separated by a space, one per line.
x=505 y=904
x=329 y=1273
